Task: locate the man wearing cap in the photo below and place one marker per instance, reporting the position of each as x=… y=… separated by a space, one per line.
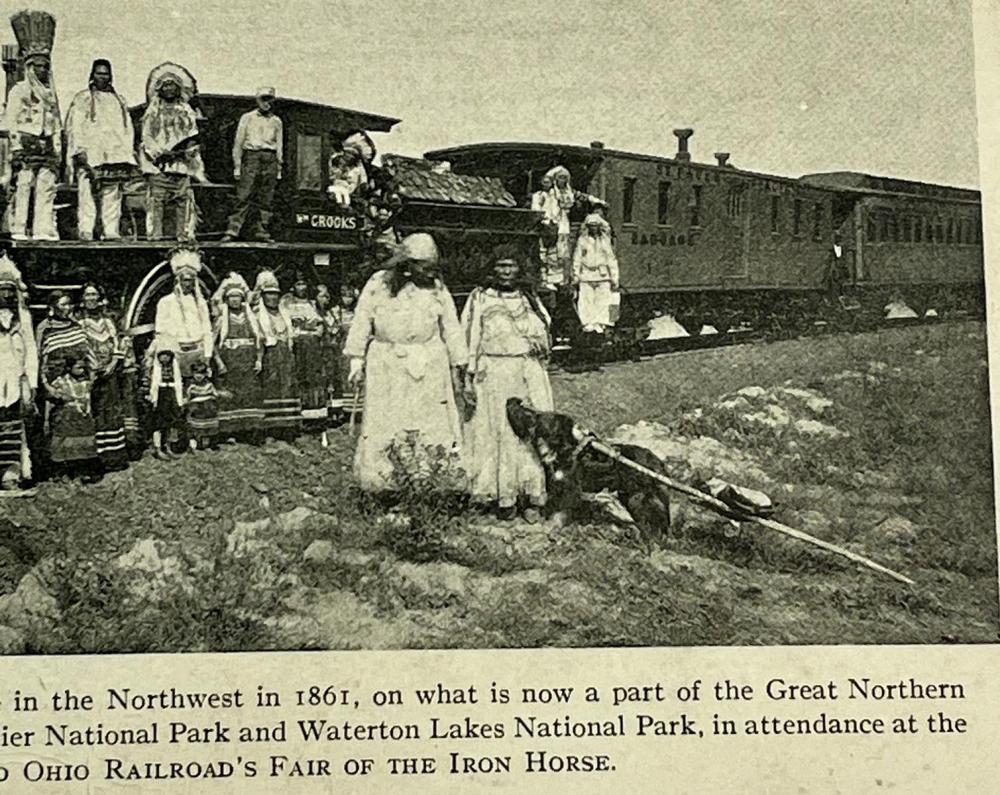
x=183 y=314
x=257 y=158
x=34 y=124
x=99 y=146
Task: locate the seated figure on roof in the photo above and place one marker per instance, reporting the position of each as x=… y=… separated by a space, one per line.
x=348 y=167
x=169 y=154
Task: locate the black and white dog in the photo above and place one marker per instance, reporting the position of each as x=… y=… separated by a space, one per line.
x=572 y=468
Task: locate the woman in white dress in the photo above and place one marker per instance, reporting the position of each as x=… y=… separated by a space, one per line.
x=507 y=330
x=407 y=347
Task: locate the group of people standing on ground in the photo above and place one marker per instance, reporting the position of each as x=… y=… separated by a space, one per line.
x=590 y=267
x=421 y=364
x=246 y=364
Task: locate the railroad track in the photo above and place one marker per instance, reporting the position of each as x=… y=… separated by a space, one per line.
x=567 y=359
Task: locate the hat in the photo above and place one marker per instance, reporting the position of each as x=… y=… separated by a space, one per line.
x=171 y=71
x=233 y=283
x=361 y=143
x=35 y=32
x=185 y=259
x=595 y=219
x=265 y=91
x=9 y=274
x=557 y=171
x=419 y=246
x=266 y=282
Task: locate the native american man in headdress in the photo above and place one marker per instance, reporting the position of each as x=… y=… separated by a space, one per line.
x=18 y=375
x=169 y=154
x=32 y=120
x=99 y=146
x=183 y=314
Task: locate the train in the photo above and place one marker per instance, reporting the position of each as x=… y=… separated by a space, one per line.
x=720 y=247
x=710 y=245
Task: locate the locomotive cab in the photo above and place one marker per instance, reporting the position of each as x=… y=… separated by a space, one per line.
x=312 y=133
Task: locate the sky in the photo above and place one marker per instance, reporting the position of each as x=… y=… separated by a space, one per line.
x=788 y=87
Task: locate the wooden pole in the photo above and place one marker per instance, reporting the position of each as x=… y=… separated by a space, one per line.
x=719 y=506
x=354 y=409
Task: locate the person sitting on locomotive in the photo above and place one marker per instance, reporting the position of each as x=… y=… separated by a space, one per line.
x=257 y=159
x=595 y=273
x=169 y=154
x=18 y=376
x=183 y=314
x=34 y=124
x=348 y=167
x=99 y=146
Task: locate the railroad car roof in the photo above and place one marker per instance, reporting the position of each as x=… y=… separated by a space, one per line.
x=857 y=182
x=425 y=180
x=328 y=115
x=593 y=153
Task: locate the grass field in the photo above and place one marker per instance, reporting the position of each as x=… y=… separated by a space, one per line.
x=259 y=548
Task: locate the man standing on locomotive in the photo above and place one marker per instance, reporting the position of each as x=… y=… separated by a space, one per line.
x=257 y=157
x=33 y=122
x=183 y=315
x=169 y=154
x=99 y=146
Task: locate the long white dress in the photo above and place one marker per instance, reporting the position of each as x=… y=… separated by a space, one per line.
x=410 y=341
x=508 y=343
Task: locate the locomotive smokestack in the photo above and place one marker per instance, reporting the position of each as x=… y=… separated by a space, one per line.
x=682 y=144
x=722 y=158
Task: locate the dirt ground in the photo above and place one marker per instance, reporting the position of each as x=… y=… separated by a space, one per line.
x=879 y=442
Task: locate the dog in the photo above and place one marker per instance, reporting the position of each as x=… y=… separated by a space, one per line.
x=572 y=469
